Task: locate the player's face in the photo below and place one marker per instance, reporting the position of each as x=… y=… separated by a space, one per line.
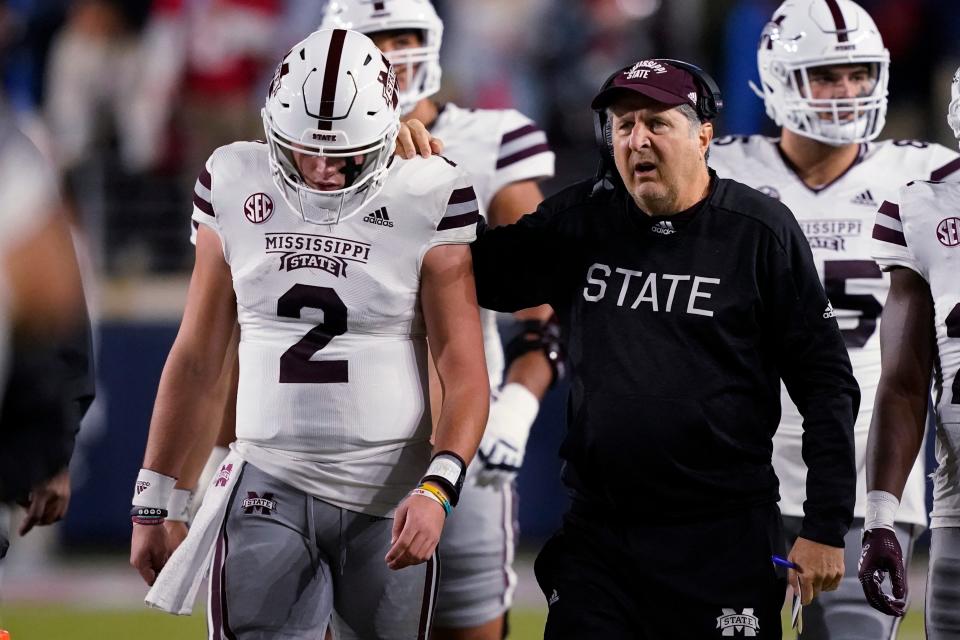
x=323 y=173
x=388 y=41
x=839 y=81
x=656 y=150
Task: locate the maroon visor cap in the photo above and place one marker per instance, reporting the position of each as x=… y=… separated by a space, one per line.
x=655 y=79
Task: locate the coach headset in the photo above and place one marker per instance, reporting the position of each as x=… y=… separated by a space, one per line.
x=709 y=104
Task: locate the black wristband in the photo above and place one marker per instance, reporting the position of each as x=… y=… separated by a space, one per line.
x=148 y=515
x=442 y=473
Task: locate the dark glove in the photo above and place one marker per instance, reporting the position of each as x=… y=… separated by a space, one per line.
x=540 y=336
x=881 y=554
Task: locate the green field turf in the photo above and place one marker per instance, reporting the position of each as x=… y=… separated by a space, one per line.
x=62 y=623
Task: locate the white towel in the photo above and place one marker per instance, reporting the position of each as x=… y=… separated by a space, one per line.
x=175 y=589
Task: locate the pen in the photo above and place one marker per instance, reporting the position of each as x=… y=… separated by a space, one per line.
x=783 y=562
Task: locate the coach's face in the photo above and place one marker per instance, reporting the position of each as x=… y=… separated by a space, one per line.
x=659 y=153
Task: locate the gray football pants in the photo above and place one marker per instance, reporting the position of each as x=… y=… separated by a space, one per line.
x=844 y=614
x=285 y=561
x=943 y=585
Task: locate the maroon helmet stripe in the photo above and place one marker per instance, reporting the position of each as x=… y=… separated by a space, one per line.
x=518 y=133
x=203 y=205
x=838 y=20
x=890 y=209
x=205 y=178
x=462 y=220
x=330 y=74
x=522 y=155
x=459 y=196
x=886 y=234
x=945 y=170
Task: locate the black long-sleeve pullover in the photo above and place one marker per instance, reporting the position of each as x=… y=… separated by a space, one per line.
x=679 y=330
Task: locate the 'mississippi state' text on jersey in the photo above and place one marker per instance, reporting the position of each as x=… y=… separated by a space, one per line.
x=679 y=329
x=332 y=396
x=837 y=219
x=920 y=230
x=495 y=147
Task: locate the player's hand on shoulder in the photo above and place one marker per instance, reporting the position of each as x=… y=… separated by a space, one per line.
x=149 y=550
x=879 y=556
x=414 y=139
x=416 y=531
x=820 y=568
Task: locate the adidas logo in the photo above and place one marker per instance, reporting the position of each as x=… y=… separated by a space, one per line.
x=865 y=198
x=829 y=312
x=664 y=228
x=379 y=217
x=553 y=599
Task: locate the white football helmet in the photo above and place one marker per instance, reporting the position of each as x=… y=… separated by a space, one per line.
x=953 y=110
x=334 y=95
x=422 y=63
x=812 y=33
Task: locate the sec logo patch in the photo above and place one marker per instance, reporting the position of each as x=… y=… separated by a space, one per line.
x=948 y=232
x=258 y=208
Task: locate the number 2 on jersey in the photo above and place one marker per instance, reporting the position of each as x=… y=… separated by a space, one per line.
x=296 y=364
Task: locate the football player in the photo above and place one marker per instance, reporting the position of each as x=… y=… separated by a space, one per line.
x=917 y=239
x=331 y=500
x=505 y=154
x=823 y=78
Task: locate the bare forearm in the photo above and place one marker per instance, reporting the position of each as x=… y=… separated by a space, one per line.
x=224 y=398
x=462 y=419
x=532 y=371
x=180 y=414
x=896 y=435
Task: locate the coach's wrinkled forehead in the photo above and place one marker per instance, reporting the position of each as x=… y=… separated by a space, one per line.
x=653 y=78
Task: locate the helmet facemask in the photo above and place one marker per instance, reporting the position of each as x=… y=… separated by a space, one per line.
x=422 y=66
x=836 y=121
x=953 y=110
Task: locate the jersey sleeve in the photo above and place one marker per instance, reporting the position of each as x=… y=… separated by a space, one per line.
x=524 y=153
x=890 y=249
x=203 y=209
x=461 y=215
x=817 y=373
x=944 y=163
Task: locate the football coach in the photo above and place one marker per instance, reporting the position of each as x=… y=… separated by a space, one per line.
x=685 y=299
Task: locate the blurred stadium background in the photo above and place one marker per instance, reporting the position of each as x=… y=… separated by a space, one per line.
x=128 y=97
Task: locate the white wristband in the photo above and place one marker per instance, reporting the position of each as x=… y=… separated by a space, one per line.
x=152 y=489
x=881 y=510
x=178 y=506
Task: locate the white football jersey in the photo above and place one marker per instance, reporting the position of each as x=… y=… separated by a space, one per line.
x=920 y=229
x=838 y=220
x=333 y=390
x=496 y=147
x=28 y=191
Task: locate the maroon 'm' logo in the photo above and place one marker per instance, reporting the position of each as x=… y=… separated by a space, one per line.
x=948 y=232
x=258 y=208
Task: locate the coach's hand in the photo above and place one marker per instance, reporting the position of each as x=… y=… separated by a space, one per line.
x=414 y=139
x=149 y=550
x=47 y=503
x=820 y=568
x=881 y=554
x=416 y=531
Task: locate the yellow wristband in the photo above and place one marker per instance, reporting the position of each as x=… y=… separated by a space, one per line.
x=439 y=495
